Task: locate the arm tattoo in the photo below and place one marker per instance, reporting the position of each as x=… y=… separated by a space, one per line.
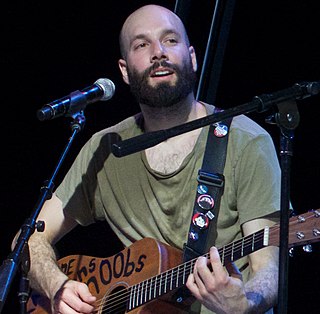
x=261 y=290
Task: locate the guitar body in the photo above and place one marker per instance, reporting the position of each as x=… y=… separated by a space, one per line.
x=143 y=277
x=106 y=276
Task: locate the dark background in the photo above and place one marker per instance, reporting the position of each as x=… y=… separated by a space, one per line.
x=49 y=49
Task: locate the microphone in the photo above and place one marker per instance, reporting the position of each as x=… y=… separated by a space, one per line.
x=103 y=89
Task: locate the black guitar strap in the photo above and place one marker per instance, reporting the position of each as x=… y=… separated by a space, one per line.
x=203 y=227
x=202 y=232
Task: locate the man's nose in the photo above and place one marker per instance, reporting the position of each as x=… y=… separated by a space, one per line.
x=159 y=52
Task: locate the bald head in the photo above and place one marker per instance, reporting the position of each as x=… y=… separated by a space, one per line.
x=145 y=18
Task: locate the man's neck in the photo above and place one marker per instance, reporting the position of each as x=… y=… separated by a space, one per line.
x=167 y=156
x=164 y=118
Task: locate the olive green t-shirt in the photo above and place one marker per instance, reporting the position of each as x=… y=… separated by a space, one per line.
x=138 y=202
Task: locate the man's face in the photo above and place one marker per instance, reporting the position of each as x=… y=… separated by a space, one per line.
x=159 y=64
x=163 y=93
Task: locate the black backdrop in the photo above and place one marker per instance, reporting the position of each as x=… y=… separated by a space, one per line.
x=51 y=49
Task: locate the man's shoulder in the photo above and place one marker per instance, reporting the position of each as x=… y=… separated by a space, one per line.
x=244 y=125
x=240 y=123
x=244 y=131
x=126 y=128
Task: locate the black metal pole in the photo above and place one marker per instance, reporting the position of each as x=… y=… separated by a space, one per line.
x=10 y=265
x=285 y=162
x=214 y=54
x=258 y=104
x=287 y=119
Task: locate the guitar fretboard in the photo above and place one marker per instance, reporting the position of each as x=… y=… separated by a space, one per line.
x=176 y=277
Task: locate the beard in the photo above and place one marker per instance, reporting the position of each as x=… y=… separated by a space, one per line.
x=163 y=95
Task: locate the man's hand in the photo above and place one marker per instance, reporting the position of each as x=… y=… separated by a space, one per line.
x=219 y=290
x=73 y=297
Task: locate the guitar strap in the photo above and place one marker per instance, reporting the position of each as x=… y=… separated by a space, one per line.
x=203 y=227
x=202 y=232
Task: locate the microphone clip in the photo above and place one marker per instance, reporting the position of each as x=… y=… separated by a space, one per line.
x=78 y=102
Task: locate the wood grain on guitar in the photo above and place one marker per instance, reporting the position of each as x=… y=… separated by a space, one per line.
x=144 y=277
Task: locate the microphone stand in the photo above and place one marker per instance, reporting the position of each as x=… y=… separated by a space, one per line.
x=20 y=253
x=287 y=119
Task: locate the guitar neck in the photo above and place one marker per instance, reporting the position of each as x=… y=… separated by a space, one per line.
x=176 y=277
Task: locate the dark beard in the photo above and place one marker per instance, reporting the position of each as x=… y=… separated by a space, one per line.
x=163 y=95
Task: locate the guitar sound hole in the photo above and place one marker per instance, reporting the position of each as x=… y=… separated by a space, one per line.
x=115 y=302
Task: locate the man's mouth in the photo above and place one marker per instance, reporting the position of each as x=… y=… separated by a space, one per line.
x=161 y=72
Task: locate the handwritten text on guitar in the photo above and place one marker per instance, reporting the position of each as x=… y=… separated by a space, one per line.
x=107 y=270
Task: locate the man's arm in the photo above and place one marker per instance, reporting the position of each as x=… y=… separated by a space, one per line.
x=222 y=290
x=262 y=286
x=45 y=275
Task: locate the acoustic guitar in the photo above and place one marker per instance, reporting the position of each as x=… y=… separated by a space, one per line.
x=149 y=276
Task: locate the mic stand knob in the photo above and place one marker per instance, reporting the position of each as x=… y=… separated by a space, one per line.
x=24 y=287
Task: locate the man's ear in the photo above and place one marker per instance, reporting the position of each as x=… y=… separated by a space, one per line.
x=123 y=68
x=193 y=58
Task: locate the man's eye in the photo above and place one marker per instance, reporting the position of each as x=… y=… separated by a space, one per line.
x=171 y=41
x=141 y=45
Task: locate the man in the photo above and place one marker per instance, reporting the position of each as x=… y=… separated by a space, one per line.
x=151 y=193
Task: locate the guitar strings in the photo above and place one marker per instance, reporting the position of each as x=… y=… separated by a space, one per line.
x=120 y=298
x=226 y=250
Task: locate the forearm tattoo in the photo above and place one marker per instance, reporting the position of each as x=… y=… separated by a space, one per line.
x=262 y=289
